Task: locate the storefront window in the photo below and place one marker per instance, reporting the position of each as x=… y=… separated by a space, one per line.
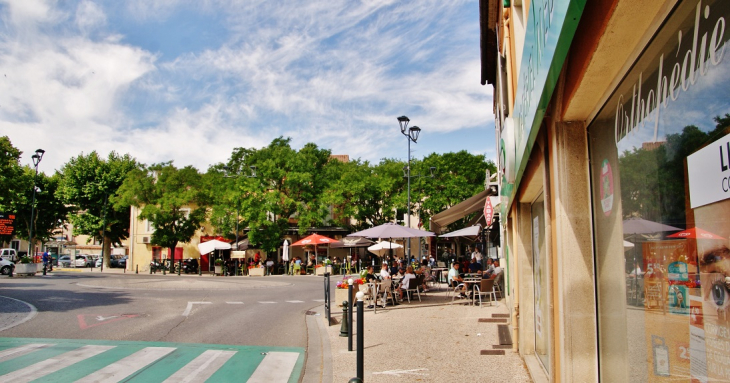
x=540 y=274
x=660 y=160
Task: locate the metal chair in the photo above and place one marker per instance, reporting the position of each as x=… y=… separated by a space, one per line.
x=486 y=287
x=385 y=292
x=414 y=284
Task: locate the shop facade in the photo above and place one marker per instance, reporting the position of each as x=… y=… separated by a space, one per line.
x=613 y=123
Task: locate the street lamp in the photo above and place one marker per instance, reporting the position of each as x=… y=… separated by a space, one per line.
x=411 y=135
x=37 y=157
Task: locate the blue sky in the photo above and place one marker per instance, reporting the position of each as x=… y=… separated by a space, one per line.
x=188 y=80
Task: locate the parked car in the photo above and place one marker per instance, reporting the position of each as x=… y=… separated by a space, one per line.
x=84 y=260
x=98 y=262
x=64 y=261
x=120 y=262
x=5 y=266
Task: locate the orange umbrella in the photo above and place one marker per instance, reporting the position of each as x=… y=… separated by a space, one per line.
x=314 y=239
x=695 y=233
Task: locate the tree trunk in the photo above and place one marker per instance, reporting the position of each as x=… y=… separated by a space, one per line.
x=106 y=247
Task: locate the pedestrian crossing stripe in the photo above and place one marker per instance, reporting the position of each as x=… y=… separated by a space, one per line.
x=72 y=360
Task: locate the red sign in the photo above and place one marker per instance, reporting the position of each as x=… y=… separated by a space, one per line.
x=488 y=211
x=7 y=224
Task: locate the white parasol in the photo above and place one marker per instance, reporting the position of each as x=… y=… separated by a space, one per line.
x=285 y=251
x=207 y=247
x=383 y=248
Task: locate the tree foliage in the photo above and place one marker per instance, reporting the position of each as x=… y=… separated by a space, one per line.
x=49 y=212
x=88 y=182
x=175 y=201
x=645 y=190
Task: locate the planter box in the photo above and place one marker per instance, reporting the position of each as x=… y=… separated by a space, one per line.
x=323 y=270
x=27 y=268
x=219 y=270
x=341 y=295
x=256 y=272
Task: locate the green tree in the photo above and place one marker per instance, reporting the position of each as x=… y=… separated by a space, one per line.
x=49 y=212
x=457 y=176
x=88 y=183
x=174 y=200
x=13 y=187
x=288 y=189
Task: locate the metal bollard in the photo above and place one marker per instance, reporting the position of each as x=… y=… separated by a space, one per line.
x=344 y=329
x=137 y=270
x=200 y=271
x=179 y=267
x=44 y=269
x=349 y=316
x=360 y=335
x=12 y=269
x=164 y=268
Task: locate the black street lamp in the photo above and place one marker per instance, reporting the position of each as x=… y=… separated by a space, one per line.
x=37 y=157
x=411 y=135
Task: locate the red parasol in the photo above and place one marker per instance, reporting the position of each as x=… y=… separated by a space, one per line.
x=695 y=233
x=314 y=239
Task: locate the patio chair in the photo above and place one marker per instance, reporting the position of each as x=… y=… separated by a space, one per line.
x=385 y=292
x=456 y=291
x=498 y=284
x=486 y=287
x=297 y=269
x=414 y=284
x=310 y=269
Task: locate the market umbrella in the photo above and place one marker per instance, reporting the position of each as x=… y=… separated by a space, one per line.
x=695 y=233
x=392 y=230
x=350 y=242
x=285 y=251
x=384 y=247
x=315 y=239
x=628 y=245
x=207 y=247
x=643 y=226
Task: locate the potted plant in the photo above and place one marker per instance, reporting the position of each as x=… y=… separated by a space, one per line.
x=26 y=266
x=218 y=266
x=342 y=287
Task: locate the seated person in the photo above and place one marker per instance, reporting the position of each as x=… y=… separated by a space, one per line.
x=384 y=274
x=370 y=276
x=474 y=266
x=454 y=278
x=404 y=283
x=495 y=270
x=427 y=277
x=489 y=269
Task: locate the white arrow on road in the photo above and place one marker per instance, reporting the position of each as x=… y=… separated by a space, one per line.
x=101 y=318
x=190 y=307
x=400 y=372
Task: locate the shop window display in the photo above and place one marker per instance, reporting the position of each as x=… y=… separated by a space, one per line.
x=660 y=172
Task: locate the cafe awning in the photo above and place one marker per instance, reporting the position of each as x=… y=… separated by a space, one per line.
x=470 y=231
x=461 y=210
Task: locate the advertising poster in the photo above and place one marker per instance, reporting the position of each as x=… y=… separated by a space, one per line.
x=666 y=316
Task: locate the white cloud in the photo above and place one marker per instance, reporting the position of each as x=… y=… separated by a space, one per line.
x=89 y=16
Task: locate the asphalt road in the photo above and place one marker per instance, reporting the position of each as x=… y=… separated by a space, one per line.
x=264 y=311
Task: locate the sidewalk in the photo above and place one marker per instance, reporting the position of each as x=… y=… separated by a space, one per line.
x=430 y=341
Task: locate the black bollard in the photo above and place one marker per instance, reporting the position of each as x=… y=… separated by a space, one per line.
x=44 y=269
x=360 y=336
x=12 y=269
x=344 y=329
x=200 y=271
x=164 y=267
x=136 y=270
x=355 y=380
x=179 y=267
x=349 y=315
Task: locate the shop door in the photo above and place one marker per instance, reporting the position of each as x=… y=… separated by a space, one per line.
x=540 y=275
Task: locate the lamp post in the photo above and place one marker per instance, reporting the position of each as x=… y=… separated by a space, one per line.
x=37 y=157
x=411 y=135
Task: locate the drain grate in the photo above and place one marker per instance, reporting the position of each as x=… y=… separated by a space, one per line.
x=500 y=315
x=492 y=352
x=492 y=320
x=505 y=338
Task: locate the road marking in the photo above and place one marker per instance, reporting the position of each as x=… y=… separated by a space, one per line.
x=267 y=302
x=118 y=371
x=294 y=301
x=399 y=372
x=49 y=366
x=202 y=367
x=318 y=300
x=235 y=303
x=276 y=367
x=22 y=350
x=31 y=314
x=190 y=307
x=101 y=320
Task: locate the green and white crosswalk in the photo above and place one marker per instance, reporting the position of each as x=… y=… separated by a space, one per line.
x=63 y=360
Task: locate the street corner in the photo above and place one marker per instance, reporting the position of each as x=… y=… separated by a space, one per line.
x=14 y=312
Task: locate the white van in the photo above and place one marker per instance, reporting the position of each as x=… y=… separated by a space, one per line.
x=9 y=254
